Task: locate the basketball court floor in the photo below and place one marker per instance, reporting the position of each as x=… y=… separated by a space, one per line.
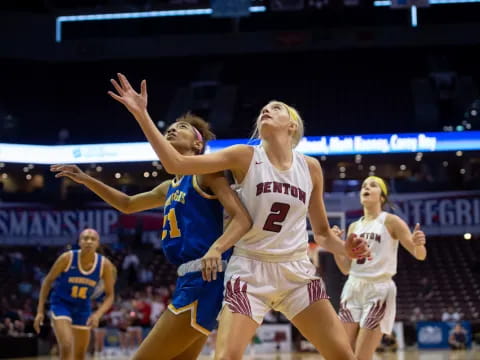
x=401 y=355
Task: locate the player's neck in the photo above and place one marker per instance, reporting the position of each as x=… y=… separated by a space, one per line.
x=371 y=212
x=280 y=156
x=87 y=256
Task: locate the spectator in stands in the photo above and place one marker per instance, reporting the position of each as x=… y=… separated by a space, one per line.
x=417 y=315
x=158 y=307
x=388 y=343
x=130 y=265
x=450 y=315
x=458 y=338
x=426 y=289
x=146 y=275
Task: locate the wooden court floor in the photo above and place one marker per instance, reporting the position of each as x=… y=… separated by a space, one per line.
x=401 y=355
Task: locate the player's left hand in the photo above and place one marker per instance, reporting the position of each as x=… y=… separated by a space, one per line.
x=357 y=247
x=211 y=264
x=418 y=236
x=93 y=321
x=133 y=101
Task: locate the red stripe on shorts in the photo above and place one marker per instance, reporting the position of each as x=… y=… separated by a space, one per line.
x=317 y=290
x=375 y=315
x=344 y=314
x=236 y=297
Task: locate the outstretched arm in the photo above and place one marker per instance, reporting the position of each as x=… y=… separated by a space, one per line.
x=175 y=163
x=353 y=247
x=117 y=199
x=414 y=242
x=58 y=267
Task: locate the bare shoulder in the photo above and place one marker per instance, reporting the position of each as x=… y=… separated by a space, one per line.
x=240 y=151
x=163 y=186
x=312 y=162
x=351 y=227
x=392 y=219
x=65 y=257
x=62 y=262
x=395 y=225
x=315 y=169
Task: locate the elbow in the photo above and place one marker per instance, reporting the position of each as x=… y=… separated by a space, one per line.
x=323 y=232
x=422 y=256
x=126 y=206
x=247 y=222
x=243 y=220
x=126 y=210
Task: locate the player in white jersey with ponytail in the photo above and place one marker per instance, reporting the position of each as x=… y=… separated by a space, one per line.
x=269 y=268
x=367 y=305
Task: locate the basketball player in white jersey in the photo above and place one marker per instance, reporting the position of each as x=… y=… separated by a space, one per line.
x=367 y=305
x=269 y=268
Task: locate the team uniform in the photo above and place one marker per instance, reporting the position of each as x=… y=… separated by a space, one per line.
x=368 y=296
x=73 y=289
x=270 y=268
x=193 y=221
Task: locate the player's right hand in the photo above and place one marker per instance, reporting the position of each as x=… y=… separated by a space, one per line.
x=72 y=172
x=38 y=322
x=211 y=264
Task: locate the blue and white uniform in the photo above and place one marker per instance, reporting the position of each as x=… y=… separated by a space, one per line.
x=72 y=291
x=192 y=221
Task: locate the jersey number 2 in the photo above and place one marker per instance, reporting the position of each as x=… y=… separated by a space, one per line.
x=79 y=292
x=278 y=214
x=171 y=217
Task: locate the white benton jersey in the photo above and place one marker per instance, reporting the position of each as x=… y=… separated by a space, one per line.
x=383 y=248
x=277 y=202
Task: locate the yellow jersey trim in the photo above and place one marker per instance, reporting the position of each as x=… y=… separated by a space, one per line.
x=176 y=182
x=93 y=266
x=199 y=189
x=193 y=316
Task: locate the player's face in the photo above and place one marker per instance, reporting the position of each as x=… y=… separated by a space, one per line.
x=182 y=136
x=370 y=192
x=89 y=241
x=273 y=116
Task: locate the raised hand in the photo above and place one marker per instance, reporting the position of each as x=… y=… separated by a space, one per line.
x=72 y=172
x=356 y=247
x=211 y=264
x=126 y=95
x=38 y=322
x=418 y=236
x=337 y=231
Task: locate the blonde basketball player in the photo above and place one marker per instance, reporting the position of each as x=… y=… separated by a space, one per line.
x=269 y=267
x=367 y=307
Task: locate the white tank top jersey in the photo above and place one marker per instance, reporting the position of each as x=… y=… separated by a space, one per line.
x=277 y=202
x=383 y=248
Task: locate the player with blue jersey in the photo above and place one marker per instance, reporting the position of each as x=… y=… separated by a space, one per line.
x=72 y=279
x=193 y=222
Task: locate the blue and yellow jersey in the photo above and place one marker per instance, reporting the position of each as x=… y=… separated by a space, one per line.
x=76 y=285
x=192 y=221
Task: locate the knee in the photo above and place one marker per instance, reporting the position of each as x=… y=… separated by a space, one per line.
x=66 y=350
x=228 y=354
